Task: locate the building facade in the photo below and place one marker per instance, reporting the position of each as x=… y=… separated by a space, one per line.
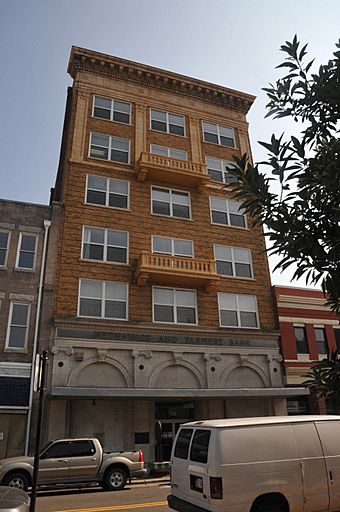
x=309 y=332
x=23 y=231
x=163 y=307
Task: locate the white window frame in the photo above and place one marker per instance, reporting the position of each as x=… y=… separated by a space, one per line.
x=110 y=147
x=238 y=311
x=169 y=152
x=218 y=134
x=112 y=109
x=172 y=241
x=233 y=261
x=223 y=165
x=174 y=305
x=10 y=325
x=6 y=249
x=171 y=203
x=167 y=122
x=33 y=235
x=102 y=298
x=105 y=245
x=107 y=192
x=227 y=201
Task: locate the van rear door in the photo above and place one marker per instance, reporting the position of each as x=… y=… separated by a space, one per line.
x=179 y=463
x=329 y=432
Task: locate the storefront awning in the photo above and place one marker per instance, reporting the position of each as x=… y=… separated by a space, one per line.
x=121 y=393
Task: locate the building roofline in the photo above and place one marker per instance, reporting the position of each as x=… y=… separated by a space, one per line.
x=23 y=203
x=82 y=59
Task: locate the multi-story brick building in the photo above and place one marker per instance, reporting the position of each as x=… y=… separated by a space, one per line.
x=23 y=230
x=309 y=331
x=163 y=310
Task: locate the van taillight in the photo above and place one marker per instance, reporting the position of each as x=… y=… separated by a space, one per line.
x=141 y=456
x=216 y=488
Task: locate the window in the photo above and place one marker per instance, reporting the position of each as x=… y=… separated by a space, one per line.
x=174 y=306
x=17 y=330
x=113 y=110
x=166 y=122
x=301 y=340
x=218 y=170
x=82 y=448
x=107 y=191
x=170 y=202
x=233 y=261
x=105 y=245
x=103 y=299
x=4 y=243
x=169 y=152
x=217 y=134
x=237 y=310
x=57 y=450
x=321 y=341
x=199 y=447
x=173 y=246
x=227 y=212
x=110 y=148
x=183 y=443
x=26 y=251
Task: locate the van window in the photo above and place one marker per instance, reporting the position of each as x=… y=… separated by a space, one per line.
x=183 y=442
x=199 y=447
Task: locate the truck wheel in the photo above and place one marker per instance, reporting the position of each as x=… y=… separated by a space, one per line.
x=269 y=506
x=18 y=479
x=115 y=479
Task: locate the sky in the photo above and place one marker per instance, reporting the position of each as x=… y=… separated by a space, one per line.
x=231 y=43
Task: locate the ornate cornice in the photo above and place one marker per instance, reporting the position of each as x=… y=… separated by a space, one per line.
x=82 y=59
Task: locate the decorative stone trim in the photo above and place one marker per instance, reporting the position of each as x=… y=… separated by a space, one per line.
x=21 y=297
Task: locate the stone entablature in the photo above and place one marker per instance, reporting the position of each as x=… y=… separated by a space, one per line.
x=82 y=59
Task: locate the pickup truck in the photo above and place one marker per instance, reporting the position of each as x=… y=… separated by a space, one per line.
x=74 y=461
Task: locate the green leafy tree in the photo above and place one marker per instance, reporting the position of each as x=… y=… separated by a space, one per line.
x=324 y=381
x=298 y=198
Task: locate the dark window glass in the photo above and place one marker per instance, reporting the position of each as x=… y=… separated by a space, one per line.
x=199 y=447
x=121 y=117
x=337 y=338
x=119 y=156
x=163 y=313
x=101 y=112
x=57 y=450
x=93 y=252
x=118 y=201
x=183 y=443
x=321 y=342
x=229 y=318
x=177 y=130
x=160 y=207
x=248 y=319
x=224 y=267
x=96 y=197
x=237 y=220
x=226 y=141
x=181 y=211
x=82 y=448
x=26 y=260
x=210 y=137
x=116 y=254
x=301 y=340
x=99 y=152
x=186 y=315
x=158 y=125
x=242 y=270
x=115 y=309
x=215 y=175
x=90 y=307
x=219 y=217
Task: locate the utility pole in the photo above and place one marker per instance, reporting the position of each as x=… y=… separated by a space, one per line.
x=43 y=358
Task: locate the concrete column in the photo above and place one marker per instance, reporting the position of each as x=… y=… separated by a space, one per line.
x=140 y=131
x=79 y=134
x=195 y=137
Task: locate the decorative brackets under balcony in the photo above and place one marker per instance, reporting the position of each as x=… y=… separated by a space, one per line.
x=172 y=170
x=176 y=270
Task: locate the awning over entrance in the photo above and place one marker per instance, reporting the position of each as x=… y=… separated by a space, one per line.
x=77 y=392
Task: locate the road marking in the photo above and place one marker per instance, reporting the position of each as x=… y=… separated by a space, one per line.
x=118 y=507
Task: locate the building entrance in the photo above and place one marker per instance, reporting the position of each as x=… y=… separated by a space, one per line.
x=169 y=416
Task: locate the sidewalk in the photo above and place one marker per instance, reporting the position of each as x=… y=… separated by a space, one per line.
x=153 y=478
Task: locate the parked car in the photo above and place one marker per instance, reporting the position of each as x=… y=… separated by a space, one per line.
x=268 y=464
x=74 y=461
x=13 y=500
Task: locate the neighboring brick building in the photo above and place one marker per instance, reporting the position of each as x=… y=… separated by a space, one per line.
x=309 y=330
x=23 y=227
x=163 y=310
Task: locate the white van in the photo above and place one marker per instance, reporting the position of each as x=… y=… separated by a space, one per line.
x=268 y=464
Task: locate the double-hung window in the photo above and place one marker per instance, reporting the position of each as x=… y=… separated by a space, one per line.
x=228 y=212
x=111 y=148
x=170 y=202
x=105 y=245
x=18 y=323
x=174 y=306
x=113 y=110
x=26 y=251
x=107 y=191
x=4 y=244
x=218 y=170
x=233 y=261
x=103 y=299
x=169 y=152
x=321 y=340
x=173 y=246
x=217 y=134
x=167 y=122
x=238 y=310
x=301 y=339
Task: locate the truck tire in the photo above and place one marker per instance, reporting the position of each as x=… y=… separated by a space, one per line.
x=269 y=506
x=115 y=479
x=18 y=479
